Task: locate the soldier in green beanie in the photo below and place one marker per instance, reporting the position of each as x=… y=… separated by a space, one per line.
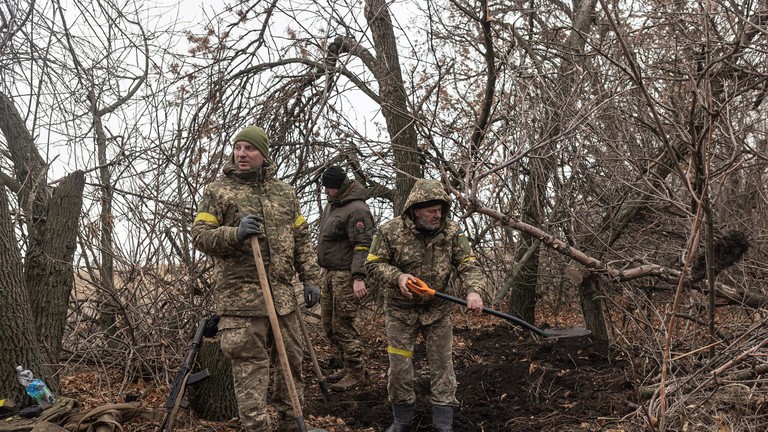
x=248 y=200
x=256 y=137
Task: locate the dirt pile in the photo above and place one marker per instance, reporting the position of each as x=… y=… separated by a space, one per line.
x=508 y=381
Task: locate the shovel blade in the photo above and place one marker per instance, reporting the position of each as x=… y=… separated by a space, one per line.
x=566 y=332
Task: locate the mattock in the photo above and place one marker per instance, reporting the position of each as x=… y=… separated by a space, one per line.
x=285 y=366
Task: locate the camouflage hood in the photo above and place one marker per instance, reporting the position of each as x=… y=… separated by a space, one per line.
x=427 y=190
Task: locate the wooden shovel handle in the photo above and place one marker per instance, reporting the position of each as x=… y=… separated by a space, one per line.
x=287 y=374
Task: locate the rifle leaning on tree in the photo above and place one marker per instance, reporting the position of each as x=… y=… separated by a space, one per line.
x=185 y=377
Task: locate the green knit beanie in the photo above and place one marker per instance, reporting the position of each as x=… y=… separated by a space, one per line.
x=255 y=136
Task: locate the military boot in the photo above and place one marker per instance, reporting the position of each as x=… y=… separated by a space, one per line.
x=403 y=417
x=442 y=418
x=336 y=376
x=354 y=377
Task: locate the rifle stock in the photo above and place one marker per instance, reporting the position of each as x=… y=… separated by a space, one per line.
x=184 y=378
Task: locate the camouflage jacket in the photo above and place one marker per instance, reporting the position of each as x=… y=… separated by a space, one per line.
x=286 y=246
x=399 y=247
x=346 y=228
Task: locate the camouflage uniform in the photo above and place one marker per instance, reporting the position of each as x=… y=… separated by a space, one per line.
x=400 y=247
x=286 y=249
x=346 y=228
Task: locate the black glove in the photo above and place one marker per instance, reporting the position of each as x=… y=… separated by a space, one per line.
x=311 y=295
x=249 y=225
x=212 y=326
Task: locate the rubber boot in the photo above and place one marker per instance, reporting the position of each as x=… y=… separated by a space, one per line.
x=354 y=377
x=403 y=417
x=442 y=418
x=336 y=376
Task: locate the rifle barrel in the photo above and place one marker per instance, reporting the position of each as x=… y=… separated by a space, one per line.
x=181 y=380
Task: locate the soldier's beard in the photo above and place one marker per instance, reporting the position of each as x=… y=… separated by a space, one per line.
x=423 y=223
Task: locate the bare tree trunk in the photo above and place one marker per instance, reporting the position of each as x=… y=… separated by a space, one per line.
x=32 y=195
x=18 y=338
x=523 y=293
x=106 y=268
x=55 y=276
x=592 y=306
x=522 y=297
x=52 y=220
x=394 y=101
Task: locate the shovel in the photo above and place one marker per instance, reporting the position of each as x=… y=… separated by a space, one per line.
x=420 y=287
x=285 y=366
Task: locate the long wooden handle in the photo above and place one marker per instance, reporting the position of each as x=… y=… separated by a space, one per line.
x=315 y=364
x=287 y=374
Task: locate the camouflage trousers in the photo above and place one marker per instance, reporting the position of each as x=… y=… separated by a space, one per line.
x=339 y=307
x=249 y=344
x=439 y=342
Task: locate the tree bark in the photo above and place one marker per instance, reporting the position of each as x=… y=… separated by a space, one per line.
x=18 y=338
x=52 y=218
x=107 y=317
x=214 y=399
x=394 y=101
x=522 y=298
x=591 y=302
x=55 y=277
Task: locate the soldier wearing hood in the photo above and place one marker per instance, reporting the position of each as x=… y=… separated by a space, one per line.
x=346 y=228
x=423 y=243
x=249 y=200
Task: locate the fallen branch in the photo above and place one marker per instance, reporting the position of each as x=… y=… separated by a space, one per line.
x=739 y=358
x=730 y=294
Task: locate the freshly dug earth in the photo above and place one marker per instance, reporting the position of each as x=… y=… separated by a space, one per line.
x=507 y=381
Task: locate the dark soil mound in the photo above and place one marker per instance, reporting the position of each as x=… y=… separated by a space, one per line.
x=508 y=381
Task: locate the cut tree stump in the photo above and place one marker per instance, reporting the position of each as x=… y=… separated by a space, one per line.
x=214 y=398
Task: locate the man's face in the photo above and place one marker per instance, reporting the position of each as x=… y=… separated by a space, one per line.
x=331 y=192
x=247 y=156
x=428 y=217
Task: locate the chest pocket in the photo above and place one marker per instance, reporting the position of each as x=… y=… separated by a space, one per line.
x=246 y=202
x=334 y=228
x=436 y=262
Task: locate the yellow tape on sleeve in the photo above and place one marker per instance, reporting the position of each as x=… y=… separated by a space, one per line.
x=373 y=258
x=207 y=217
x=299 y=220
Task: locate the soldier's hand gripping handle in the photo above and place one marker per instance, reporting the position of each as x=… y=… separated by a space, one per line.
x=249 y=225
x=419 y=287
